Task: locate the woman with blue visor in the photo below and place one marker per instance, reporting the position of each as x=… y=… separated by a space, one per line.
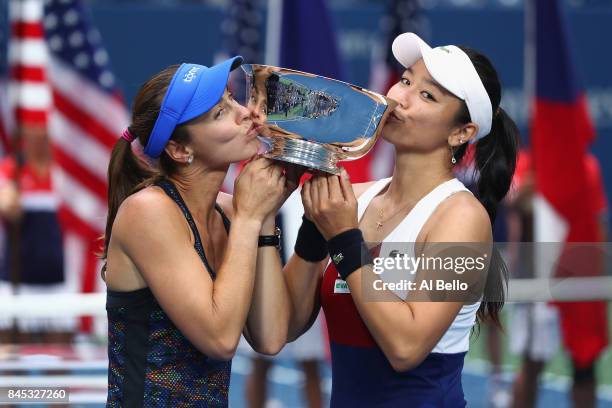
x=182 y=285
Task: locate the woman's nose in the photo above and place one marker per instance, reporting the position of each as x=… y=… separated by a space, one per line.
x=243 y=113
x=258 y=113
x=401 y=96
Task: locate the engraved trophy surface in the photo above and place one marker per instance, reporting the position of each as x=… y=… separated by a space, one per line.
x=312 y=120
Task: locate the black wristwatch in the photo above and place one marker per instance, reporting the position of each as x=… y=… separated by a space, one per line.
x=271 y=240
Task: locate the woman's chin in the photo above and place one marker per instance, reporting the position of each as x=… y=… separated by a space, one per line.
x=387 y=134
x=250 y=149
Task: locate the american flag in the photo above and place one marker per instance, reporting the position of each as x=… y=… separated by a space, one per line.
x=62 y=77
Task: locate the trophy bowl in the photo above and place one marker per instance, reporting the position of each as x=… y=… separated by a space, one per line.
x=312 y=120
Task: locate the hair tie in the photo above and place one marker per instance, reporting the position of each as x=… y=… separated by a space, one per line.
x=127 y=135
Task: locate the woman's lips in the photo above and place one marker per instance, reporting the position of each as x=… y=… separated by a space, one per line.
x=394 y=117
x=253 y=130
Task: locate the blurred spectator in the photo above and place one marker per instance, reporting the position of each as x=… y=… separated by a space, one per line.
x=34 y=260
x=584 y=325
x=534 y=329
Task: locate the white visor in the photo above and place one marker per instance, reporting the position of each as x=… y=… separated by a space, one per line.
x=453 y=69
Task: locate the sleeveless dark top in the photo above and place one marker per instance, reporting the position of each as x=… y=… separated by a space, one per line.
x=151 y=363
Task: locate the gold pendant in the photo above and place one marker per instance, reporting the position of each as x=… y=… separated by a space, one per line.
x=378 y=225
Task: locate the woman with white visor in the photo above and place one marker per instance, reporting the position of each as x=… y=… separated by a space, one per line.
x=402 y=351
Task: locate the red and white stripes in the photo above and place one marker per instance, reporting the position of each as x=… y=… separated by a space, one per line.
x=29 y=91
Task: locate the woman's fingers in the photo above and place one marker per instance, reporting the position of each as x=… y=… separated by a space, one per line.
x=335 y=191
x=320 y=183
x=315 y=195
x=346 y=186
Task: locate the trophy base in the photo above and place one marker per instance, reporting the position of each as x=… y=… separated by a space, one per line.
x=312 y=155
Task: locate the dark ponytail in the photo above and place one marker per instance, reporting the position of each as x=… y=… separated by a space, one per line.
x=127 y=172
x=495 y=162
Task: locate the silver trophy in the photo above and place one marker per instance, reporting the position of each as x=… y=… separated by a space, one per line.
x=312 y=120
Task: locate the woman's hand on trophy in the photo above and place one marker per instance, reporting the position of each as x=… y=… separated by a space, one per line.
x=260 y=189
x=293 y=174
x=329 y=201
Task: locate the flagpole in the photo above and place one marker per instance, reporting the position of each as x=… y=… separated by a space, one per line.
x=529 y=83
x=273 y=32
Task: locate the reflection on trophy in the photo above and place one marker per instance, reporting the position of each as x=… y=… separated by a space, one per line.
x=312 y=120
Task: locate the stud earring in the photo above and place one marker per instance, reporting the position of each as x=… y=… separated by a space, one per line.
x=190 y=159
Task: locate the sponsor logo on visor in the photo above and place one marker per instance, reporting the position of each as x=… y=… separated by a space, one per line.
x=191 y=74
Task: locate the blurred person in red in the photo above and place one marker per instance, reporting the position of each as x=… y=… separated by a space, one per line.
x=584 y=325
x=535 y=327
x=33 y=256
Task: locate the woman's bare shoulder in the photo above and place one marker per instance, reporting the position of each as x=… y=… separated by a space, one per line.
x=148 y=208
x=461 y=217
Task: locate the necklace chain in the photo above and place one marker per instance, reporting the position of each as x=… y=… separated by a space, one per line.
x=381 y=214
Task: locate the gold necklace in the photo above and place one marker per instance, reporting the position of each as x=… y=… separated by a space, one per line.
x=381 y=214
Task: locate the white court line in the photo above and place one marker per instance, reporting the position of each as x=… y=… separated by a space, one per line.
x=25 y=365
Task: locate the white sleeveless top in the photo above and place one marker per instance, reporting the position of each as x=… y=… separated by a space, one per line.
x=456 y=339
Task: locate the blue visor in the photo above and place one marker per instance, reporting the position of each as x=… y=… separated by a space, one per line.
x=193 y=91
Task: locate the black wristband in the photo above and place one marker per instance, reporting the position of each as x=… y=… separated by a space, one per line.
x=310 y=244
x=349 y=252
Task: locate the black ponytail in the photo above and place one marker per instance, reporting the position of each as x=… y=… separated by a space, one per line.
x=495 y=162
